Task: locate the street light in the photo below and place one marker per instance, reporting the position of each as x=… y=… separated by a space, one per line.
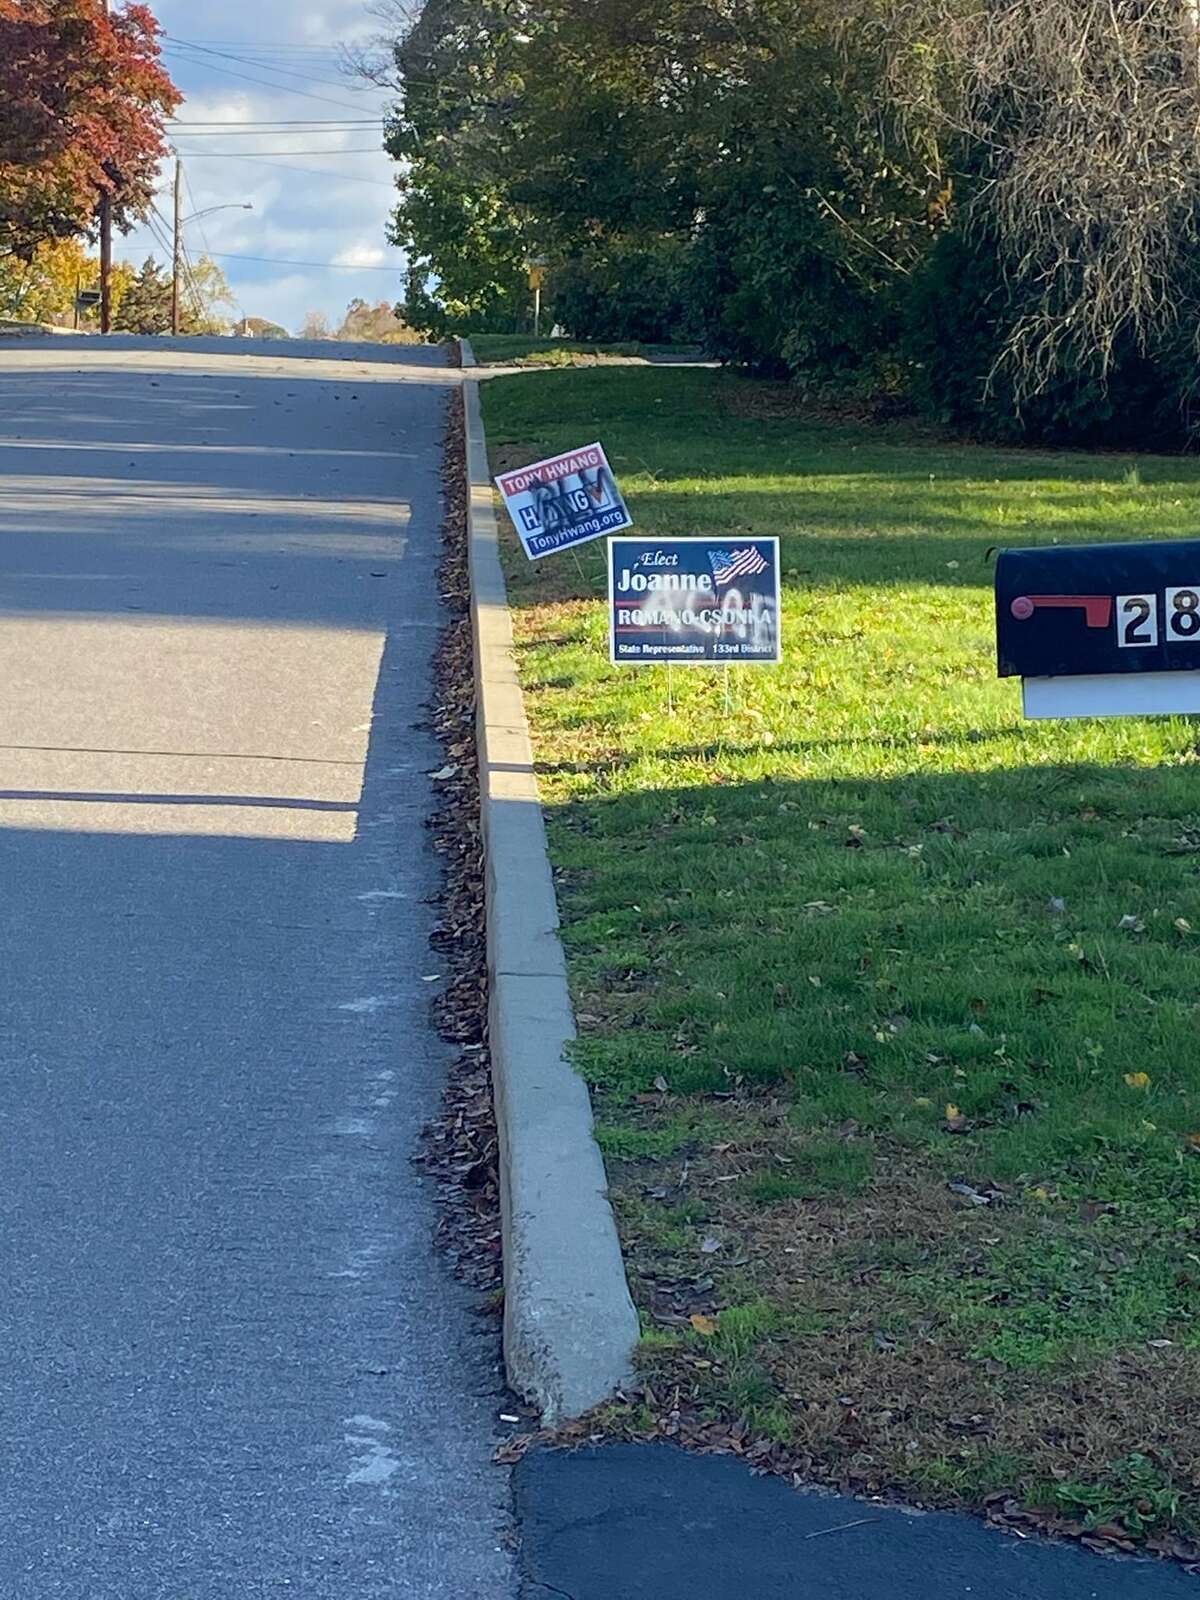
x=180 y=221
x=208 y=211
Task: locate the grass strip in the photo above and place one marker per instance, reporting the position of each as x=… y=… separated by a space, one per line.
x=888 y=999
x=523 y=350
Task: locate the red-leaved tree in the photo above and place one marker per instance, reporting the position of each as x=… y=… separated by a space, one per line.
x=83 y=101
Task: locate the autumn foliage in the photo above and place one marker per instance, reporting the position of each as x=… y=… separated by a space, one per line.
x=83 y=101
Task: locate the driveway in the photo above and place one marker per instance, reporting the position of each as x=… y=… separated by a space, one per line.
x=231 y=1365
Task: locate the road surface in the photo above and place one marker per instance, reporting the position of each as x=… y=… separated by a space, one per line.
x=231 y=1366
x=646 y=1522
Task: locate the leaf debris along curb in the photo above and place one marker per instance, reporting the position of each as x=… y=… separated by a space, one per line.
x=570 y=1326
x=460 y=1148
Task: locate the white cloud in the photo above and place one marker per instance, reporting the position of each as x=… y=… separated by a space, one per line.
x=361 y=255
x=312 y=202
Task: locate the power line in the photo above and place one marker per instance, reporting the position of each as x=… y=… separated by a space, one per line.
x=369 y=150
x=285 y=72
x=280 y=122
x=283 y=166
x=329 y=266
x=235 y=131
x=283 y=47
x=278 y=261
x=280 y=88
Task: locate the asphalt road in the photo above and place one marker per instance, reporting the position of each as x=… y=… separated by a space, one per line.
x=636 y=1522
x=231 y=1366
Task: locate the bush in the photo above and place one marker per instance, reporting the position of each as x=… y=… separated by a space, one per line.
x=959 y=313
x=776 y=289
x=617 y=292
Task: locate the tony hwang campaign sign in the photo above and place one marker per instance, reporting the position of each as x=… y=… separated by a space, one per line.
x=564 y=501
x=693 y=602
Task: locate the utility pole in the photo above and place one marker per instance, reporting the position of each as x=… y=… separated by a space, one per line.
x=537 y=282
x=106 y=246
x=105 y=262
x=178 y=247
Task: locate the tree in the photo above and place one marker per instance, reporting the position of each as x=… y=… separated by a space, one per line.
x=991 y=205
x=1071 y=132
x=147 y=304
x=146 y=307
x=375 y=324
x=465 y=240
x=203 y=294
x=44 y=287
x=259 y=328
x=315 y=326
x=83 y=101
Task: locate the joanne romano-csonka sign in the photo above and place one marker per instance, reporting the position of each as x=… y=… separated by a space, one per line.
x=693 y=602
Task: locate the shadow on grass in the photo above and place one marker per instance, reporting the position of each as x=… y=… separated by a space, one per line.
x=721 y=750
x=954 y=548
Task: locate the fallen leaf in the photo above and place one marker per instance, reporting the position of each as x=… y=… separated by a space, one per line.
x=1183 y=925
x=1138 y=1080
x=705 y=1325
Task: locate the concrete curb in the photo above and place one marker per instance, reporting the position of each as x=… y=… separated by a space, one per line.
x=569 y=1323
x=466 y=354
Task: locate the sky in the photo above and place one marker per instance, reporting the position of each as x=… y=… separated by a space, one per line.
x=319 y=217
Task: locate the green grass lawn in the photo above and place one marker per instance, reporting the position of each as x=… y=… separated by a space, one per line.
x=889 y=1000
x=523 y=350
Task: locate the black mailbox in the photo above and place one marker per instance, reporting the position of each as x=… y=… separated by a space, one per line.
x=1069 y=611
x=1108 y=613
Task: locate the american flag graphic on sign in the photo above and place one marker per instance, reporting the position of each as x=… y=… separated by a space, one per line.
x=730 y=564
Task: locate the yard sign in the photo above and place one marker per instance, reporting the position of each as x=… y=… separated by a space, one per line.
x=694 y=602
x=564 y=501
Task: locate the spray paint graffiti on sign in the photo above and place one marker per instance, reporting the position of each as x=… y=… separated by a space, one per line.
x=694 y=601
x=564 y=501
